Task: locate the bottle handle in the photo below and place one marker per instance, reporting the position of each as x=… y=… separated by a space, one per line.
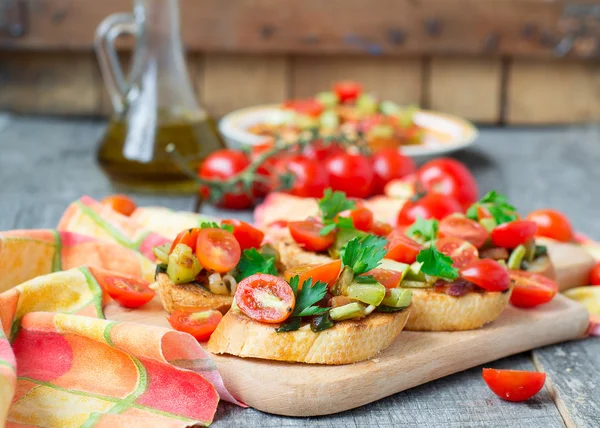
x=104 y=43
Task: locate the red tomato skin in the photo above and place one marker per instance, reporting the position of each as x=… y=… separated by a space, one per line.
x=247 y=235
x=187 y=237
x=595 y=275
x=381 y=229
x=552 y=224
x=265 y=170
x=362 y=218
x=463 y=228
x=429 y=206
x=319 y=151
x=327 y=272
x=401 y=248
x=460 y=251
x=531 y=289
x=224 y=164
x=214 y=242
x=128 y=292
x=350 y=173
x=180 y=321
x=449 y=177
x=514 y=233
x=487 y=274
x=253 y=308
x=387 y=278
x=514 y=385
x=306 y=234
x=389 y=164
x=347 y=90
x=310 y=177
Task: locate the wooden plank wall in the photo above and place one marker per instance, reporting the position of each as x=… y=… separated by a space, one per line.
x=487 y=90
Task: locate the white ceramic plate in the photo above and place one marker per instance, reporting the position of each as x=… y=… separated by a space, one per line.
x=444 y=133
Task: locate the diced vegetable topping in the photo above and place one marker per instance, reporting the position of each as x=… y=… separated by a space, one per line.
x=253 y=261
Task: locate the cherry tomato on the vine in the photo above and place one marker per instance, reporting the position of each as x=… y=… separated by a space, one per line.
x=514 y=385
x=319 y=150
x=310 y=179
x=350 y=173
x=449 y=177
x=552 y=224
x=390 y=164
x=429 y=206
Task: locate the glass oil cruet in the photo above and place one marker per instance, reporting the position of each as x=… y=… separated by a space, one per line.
x=154 y=105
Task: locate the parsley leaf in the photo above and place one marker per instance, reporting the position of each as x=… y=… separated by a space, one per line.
x=214 y=225
x=334 y=203
x=423 y=230
x=497 y=205
x=308 y=296
x=436 y=264
x=253 y=262
x=291 y=324
x=364 y=253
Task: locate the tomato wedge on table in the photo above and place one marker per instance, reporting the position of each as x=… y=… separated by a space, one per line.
x=531 y=289
x=128 y=292
x=459 y=226
x=514 y=385
x=514 y=233
x=307 y=234
x=326 y=273
x=265 y=298
x=386 y=277
x=199 y=324
x=362 y=218
x=487 y=274
x=460 y=251
x=247 y=236
x=401 y=248
x=188 y=237
x=217 y=249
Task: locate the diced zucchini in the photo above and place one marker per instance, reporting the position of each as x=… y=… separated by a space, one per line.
x=397 y=298
x=389 y=108
x=516 y=257
x=371 y=294
x=407 y=283
x=183 y=265
x=161 y=252
x=488 y=223
x=414 y=272
x=340 y=288
x=347 y=312
x=328 y=99
x=390 y=264
x=366 y=104
x=329 y=120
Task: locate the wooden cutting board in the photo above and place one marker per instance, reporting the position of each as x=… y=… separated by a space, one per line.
x=413 y=359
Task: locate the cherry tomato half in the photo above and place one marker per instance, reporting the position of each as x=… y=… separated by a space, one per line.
x=381 y=229
x=347 y=90
x=531 y=289
x=514 y=385
x=389 y=164
x=199 y=324
x=460 y=251
x=128 y=292
x=401 y=248
x=552 y=224
x=350 y=173
x=121 y=204
x=458 y=226
x=361 y=217
x=310 y=179
x=514 y=233
x=306 y=234
x=246 y=235
x=265 y=298
x=451 y=178
x=217 y=250
x=224 y=164
x=386 y=277
x=188 y=237
x=429 y=206
x=595 y=275
x=326 y=273
x=487 y=274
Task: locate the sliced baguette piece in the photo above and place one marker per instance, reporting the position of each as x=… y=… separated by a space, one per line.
x=433 y=311
x=346 y=342
x=189 y=296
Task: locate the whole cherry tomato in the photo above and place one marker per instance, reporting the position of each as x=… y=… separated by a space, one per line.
x=347 y=90
x=326 y=273
x=432 y=205
x=121 y=204
x=449 y=177
x=350 y=173
x=552 y=224
x=401 y=248
x=319 y=150
x=595 y=275
x=390 y=164
x=310 y=179
x=514 y=385
x=247 y=236
x=488 y=274
x=224 y=164
x=265 y=298
x=460 y=251
x=513 y=234
x=308 y=235
x=128 y=292
x=309 y=107
x=362 y=218
x=217 y=249
x=531 y=289
x=459 y=226
x=199 y=324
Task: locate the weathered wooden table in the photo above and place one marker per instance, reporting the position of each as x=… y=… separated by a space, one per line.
x=45 y=164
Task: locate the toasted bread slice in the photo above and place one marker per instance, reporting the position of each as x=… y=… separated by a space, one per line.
x=433 y=311
x=189 y=296
x=346 y=342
